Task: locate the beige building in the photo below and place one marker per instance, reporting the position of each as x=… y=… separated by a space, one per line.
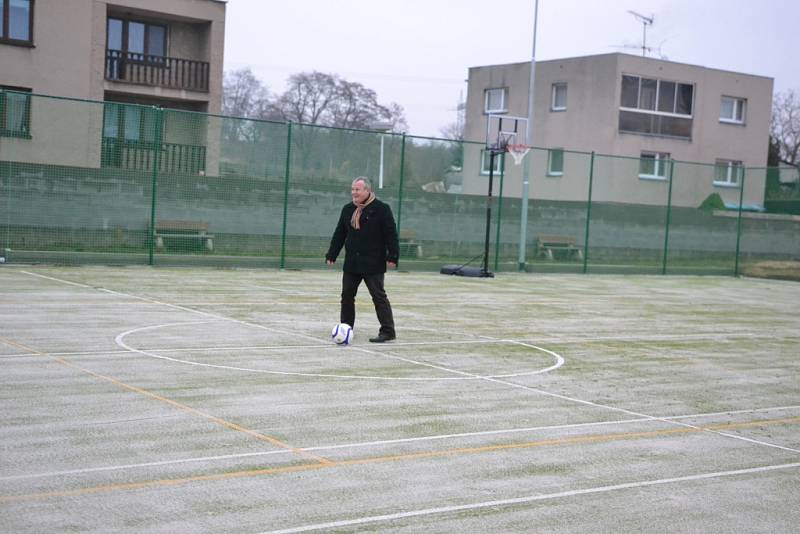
x=645 y=111
x=135 y=53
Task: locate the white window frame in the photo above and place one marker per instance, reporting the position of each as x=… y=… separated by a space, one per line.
x=739 y=108
x=660 y=163
x=554 y=94
x=486 y=99
x=733 y=173
x=486 y=158
x=15 y=107
x=659 y=81
x=551 y=171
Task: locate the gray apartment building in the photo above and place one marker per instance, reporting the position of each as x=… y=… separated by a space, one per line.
x=140 y=55
x=646 y=111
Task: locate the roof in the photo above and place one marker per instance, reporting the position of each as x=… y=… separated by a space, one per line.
x=618 y=54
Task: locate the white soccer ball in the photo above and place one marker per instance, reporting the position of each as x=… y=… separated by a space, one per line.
x=342 y=334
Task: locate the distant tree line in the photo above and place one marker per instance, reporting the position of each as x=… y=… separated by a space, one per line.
x=785 y=128
x=327 y=142
x=782 y=193
x=310 y=98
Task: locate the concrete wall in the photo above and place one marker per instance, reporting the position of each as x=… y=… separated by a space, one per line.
x=196 y=32
x=66 y=132
x=68 y=55
x=58 y=63
x=68 y=60
x=590 y=123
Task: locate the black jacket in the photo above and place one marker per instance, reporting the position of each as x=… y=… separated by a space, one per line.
x=368 y=249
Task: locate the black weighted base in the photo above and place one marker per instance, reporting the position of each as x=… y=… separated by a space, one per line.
x=463 y=270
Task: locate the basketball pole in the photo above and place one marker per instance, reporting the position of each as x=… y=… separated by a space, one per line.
x=485 y=273
x=523 y=225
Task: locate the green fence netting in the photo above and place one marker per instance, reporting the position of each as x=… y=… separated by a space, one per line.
x=118 y=183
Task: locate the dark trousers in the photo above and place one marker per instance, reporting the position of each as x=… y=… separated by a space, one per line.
x=374 y=282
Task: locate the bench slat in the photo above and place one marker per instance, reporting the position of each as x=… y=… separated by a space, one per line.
x=182 y=225
x=199 y=236
x=547 y=245
x=556 y=240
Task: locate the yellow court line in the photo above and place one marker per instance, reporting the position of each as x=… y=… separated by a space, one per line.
x=176 y=404
x=593 y=438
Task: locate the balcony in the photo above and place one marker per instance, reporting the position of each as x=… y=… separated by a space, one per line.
x=156 y=71
x=141 y=156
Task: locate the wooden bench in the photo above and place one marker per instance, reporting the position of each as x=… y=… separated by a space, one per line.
x=183 y=230
x=408 y=245
x=548 y=245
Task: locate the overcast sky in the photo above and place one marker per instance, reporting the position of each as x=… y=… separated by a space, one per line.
x=417 y=52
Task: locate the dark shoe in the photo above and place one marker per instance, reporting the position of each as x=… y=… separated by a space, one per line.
x=382 y=338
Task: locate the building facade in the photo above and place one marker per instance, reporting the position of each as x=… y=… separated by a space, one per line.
x=646 y=112
x=142 y=57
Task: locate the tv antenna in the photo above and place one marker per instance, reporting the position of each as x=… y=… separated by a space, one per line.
x=646 y=21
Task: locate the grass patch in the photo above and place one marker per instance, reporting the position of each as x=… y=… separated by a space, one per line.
x=776 y=270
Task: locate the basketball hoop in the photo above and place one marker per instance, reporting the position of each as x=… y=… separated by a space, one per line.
x=517 y=152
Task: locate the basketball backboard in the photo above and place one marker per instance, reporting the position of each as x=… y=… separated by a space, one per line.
x=504 y=130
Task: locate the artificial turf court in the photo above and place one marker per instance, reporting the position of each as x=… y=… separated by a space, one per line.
x=207 y=400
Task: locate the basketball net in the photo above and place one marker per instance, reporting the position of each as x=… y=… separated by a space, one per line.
x=517 y=152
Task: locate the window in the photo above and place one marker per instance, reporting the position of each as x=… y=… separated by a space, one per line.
x=555 y=162
x=728 y=173
x=130 y=44
x=643 y=94
x=559 y=98
x=16 y=22
x=666 y=97
x=137 y=38
x=15 y=112
x=486 y=159
x=130 y=122
x=657 y=107
x=732 y=110
x=653 y=165
x=495 y=100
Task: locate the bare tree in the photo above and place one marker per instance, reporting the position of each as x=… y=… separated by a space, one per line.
x=311 y=98
x=307 y=97
x=244 y=96
x=785 y=126
x=329 y=100
x=453 y=131
x=357 y=106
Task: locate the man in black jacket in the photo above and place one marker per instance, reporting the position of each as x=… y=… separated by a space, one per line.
x=366 y=230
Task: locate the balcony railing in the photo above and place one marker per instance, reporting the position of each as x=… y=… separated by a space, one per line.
x=141 y=156
x=158 y=71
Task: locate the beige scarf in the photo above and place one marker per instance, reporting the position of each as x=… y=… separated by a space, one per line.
x=355 y=220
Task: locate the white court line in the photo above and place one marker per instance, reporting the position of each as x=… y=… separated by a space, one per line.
x=58 y=280
x=461 y=373
x=119 y=340
x=531 y=498
x=555 y=340
x=712 y=336
x=380 y=443
x=638 y=414
x=264 y=347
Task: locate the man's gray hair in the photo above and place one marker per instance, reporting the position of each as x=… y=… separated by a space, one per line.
x=367 y=183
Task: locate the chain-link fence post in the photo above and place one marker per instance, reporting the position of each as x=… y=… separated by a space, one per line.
x=286 y=193
x=157 y=148
x=669 y=213
x=402 y=177
x=588 y=216
x=739 y=225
